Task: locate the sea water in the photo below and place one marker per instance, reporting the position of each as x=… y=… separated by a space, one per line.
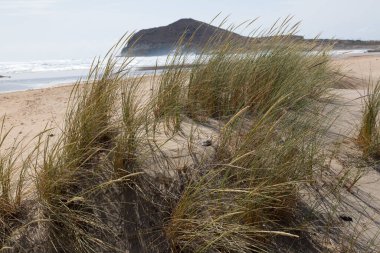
x=41 y=74
x=18 y=76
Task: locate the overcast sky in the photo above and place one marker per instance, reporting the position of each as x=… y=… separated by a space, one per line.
x=72 y=29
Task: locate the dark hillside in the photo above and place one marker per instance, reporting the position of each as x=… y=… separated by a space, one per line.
x=162 y=40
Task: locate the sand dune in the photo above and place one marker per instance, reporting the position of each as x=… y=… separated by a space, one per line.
x=29 y=112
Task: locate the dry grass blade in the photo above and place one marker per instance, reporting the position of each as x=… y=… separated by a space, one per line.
x=369 y=135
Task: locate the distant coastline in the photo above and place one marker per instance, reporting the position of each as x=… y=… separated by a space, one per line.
x=162 y=40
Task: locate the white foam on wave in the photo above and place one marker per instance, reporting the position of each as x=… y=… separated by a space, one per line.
x=160 y=60
x=9 y=68
x=34 y=74
x=43 y=66
x=349 y=52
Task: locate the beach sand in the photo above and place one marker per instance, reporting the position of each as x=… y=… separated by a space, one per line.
x=29 y=112
x=360 y=66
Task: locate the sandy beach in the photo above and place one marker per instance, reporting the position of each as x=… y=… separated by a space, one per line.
x=29 y=112
x=360 y=66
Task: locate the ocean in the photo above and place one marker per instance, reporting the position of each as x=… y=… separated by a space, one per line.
x=40 y=74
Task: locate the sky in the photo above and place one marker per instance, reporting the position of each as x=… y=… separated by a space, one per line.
x=75 y=29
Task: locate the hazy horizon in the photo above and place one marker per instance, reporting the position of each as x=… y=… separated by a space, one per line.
x=68 y=29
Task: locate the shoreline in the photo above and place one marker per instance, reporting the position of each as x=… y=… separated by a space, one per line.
x=39 y=88
x=31 y=81
x=354 y=65
x=31 y=110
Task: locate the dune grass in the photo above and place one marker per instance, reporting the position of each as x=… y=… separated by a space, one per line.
x=255 y=74
x=247 y=194
x=74 y=169
x=12 y=184
x=111 y=183
x=369 y=135
x=251 y=190
x=246 y=197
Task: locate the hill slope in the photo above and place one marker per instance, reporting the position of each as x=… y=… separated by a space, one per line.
x=161 y=40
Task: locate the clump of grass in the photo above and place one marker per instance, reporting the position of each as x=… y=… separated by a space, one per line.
x=274 y=70
x=12 y=184
x=231 y=79
x=73 y=168
x=130 y=128
x=169 y=94
x=369 y=134
x=229 y=75
x=250 y=192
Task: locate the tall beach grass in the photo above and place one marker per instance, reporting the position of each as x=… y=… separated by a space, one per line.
x=369 y=134
x=118 y=179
